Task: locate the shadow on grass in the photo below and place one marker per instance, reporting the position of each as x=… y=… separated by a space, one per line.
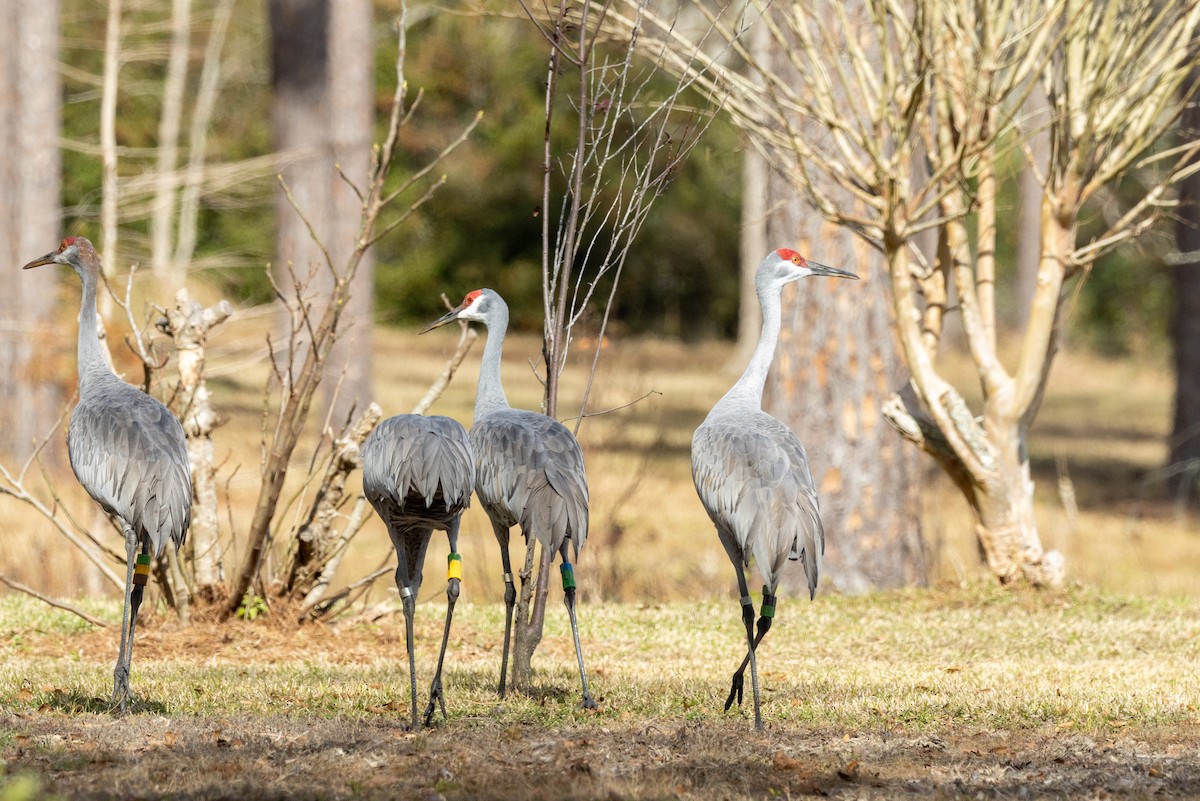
x=73 y=702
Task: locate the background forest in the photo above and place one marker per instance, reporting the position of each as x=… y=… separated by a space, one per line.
x=682 y=277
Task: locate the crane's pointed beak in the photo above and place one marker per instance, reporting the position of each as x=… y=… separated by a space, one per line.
x=445 y=319
x=821 y=269
x=47 y=259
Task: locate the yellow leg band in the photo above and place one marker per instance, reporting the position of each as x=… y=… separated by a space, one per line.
x=141 y=570
x=454 y=567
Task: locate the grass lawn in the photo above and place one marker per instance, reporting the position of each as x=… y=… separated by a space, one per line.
x=964 y=690
x=970 y=692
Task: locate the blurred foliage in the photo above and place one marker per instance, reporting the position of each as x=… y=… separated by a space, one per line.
x=483 y=227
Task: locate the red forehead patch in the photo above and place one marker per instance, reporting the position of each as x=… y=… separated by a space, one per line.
x=790 y=255
x=66 y=243
x=470 y=298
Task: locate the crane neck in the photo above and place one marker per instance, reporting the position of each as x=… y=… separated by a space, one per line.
x=748 y=391
x=92 y=360
x=489 y=394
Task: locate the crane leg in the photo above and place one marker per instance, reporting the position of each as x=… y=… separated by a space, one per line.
x=764 y=625
x=510 y=600
x=121 y=693
x=409 y=604
x=568 y=577
x=751 y=643
x=453 y=582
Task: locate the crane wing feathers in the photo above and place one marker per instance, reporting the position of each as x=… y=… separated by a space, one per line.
x=529 y=470
x=752 y=476
x=412 y=458
x=128 y=451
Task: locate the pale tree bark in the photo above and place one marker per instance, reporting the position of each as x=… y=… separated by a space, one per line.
x=30 y=183
x=110 y=199
x=188 y=324
x=1029 y=211
x=753 y=240
x=321 y=116
x=169 y=123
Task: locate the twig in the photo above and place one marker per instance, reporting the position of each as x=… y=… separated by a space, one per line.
x=19 y=587
x=466 y=339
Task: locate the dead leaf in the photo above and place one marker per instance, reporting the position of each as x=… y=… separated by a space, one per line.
x=850 y=771
x=782 y=761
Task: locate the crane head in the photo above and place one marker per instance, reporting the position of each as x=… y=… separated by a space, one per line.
x=785 y=265
x=475 y=306
x=75 y=251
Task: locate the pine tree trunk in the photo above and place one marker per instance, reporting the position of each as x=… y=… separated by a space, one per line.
x=1185 y=330
x=835 y=367
x=30 y=187
x=322 y=112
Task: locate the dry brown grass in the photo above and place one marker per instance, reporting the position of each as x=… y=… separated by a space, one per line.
x=969 y=692
x=650 y=539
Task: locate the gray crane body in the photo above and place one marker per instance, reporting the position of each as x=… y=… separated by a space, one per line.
x=529 y=470
x=127 y=450
x=418 y=473
x=752 y=475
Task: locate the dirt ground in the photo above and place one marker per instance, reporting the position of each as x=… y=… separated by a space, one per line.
x=72 y=748
x=139 y=756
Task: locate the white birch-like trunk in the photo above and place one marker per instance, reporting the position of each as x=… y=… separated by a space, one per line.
x=166 y=180
x=189 y=325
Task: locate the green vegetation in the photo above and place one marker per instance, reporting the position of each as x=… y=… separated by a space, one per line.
x=917 y=661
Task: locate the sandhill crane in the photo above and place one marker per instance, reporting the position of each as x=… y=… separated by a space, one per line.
x=418 y=474
x=128 y=452
x=528 y=471
x=752 y=474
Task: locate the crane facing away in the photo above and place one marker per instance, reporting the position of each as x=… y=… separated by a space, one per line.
x=752 y=474
x=418 y=474
x=128 y=452
x=528 y=471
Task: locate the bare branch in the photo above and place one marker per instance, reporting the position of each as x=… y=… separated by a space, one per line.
x=19 y=587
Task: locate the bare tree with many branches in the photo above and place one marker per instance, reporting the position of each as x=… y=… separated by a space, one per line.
x=630 y=127
x=939 y=86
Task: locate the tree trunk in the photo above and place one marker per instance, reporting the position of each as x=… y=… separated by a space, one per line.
x=321 y=56
x=527 y=625
x=188 y=324
x=1036 y=114
x=351 y=107
x=30 y=185
x=753 y=242
x=836 y=366
x=1184 y=459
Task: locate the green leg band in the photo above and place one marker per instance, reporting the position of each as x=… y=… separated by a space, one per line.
x=568 y=576
x=768 y=605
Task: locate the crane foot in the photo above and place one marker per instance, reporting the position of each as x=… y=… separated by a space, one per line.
x=735 y=691
x=436 y=698
x=589 y=702
x=122 y=695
